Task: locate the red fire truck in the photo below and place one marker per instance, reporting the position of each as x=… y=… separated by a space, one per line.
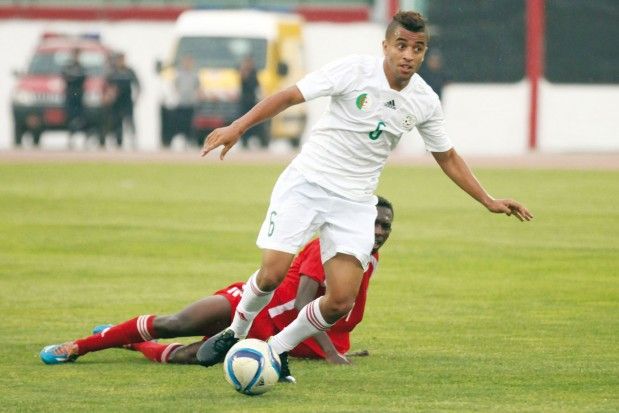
x=39 y=95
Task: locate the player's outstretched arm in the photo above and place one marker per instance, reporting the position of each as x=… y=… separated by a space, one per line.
x=332 y=356
x=265 y=109
x=306 y=292
x=458 y=171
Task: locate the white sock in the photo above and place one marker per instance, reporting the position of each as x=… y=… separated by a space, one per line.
x=252 y=301
x=308 y=322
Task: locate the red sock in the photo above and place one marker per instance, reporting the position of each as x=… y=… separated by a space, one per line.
x=159 y=353
x=133 y=331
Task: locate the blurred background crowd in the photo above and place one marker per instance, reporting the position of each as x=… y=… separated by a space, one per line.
x=160 y=74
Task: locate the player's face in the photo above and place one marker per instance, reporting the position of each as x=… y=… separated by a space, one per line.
x=404 y=52
x=382 y=227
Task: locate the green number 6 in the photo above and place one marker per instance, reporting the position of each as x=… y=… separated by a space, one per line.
x=378 y=131
x=271 y=223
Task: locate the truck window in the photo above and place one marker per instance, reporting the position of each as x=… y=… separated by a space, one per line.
x=221 y=52
x=50 y=63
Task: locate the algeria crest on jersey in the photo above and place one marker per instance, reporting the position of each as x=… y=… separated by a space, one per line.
x=408 y=122
x=363 y=102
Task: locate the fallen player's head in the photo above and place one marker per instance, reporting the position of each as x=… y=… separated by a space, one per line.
x=382 y=225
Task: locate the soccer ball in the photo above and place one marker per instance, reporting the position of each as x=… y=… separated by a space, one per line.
x=252 y=367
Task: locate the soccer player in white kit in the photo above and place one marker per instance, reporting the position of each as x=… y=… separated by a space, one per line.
x=329 y=187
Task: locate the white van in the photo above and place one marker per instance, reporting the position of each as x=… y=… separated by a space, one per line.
x=217 y=41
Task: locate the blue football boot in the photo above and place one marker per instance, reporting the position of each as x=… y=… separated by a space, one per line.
x=59 y=353
x=101 y=328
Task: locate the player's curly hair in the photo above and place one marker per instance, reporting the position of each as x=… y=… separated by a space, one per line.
x=383 y=202
x=410 y=20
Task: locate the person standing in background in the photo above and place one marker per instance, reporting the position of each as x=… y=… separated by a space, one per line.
x=125 y=89
x=187 y=84
x=248 y=98
x=433 y=73
x=74 y=76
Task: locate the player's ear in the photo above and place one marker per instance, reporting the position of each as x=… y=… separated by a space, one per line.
x=385 y=46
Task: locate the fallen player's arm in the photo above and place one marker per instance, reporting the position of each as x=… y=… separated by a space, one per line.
x=306 y=292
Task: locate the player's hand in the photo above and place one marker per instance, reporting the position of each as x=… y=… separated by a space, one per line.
x=336 y=358
x=226 y=137
x=358 y=353
x=510 y=207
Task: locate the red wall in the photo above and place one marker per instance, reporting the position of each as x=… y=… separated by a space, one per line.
x=332 y=14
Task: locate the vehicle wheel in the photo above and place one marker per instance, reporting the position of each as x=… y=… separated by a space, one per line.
x=18 y=132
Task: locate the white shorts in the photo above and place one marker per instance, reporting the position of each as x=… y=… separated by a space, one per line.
x=300 y=208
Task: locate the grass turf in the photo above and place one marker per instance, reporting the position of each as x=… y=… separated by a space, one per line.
x=468 y=311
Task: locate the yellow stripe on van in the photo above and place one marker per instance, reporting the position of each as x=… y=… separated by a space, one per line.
x=289 y=29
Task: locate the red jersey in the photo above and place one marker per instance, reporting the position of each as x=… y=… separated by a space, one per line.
x=280 y=311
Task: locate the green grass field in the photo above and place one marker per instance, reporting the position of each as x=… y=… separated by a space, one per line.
x=468 y=311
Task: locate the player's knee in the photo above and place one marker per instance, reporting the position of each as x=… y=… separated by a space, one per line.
x=270 y=277
x=275 y=265
x=335 y=308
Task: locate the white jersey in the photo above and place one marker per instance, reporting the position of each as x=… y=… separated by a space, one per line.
x=349 y=146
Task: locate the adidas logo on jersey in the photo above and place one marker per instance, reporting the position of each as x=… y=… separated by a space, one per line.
x=390 y=104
